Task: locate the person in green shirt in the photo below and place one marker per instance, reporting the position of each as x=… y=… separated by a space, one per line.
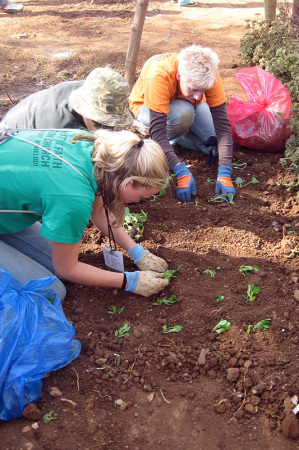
x=52 y=182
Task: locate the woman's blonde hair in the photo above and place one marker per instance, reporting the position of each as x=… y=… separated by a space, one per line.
x=120 y=156
x=199 y=64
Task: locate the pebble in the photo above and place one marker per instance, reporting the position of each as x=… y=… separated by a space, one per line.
x=233 y=374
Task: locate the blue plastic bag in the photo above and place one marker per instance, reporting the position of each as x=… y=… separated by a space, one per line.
x=35 y=338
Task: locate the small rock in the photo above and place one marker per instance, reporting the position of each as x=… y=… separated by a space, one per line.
x=202 y=356
x=100 y=361
x=290 y=426
x=220 y=408
x=55 y=392
x=31 y=412
x=239 y=414
x=35 y=426
x=249 y=408
x=233 y=374
x=259 y=389
x=26 y=429
x=28 y=446
x=151 y=397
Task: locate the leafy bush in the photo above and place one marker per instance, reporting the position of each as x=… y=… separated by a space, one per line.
x=275 y=47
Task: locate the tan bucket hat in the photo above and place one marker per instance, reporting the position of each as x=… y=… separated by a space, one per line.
x=103 y=97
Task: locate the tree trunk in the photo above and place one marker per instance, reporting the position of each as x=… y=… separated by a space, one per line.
x=270 y=10
x=135 y=39
x=295 y=12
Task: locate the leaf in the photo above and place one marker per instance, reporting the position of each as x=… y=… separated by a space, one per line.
x=50 y=416
x=220 y=298
x=238 y=181
x=254 y=180
x=222 y=326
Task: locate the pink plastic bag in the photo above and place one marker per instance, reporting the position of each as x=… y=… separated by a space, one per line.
x=254 y=124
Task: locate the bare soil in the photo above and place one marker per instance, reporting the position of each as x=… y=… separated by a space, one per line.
x=194 y=389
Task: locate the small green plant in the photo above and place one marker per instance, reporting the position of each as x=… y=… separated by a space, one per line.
x=134 y=223
x=196 y=201
x=50 y=416
x=245 y=270
x=166 y=301
x=211 y=181
x=229 y=198
x=115 y=310
x=220 y=298
x=252 y=292
x=239 y=165
x=171 y=273
x=211 y=272
x=263 y=324
x=122 y=331
x=294 y=252
x=117 y=360
x=174 y=329
x=163 y=191
x=239 y=182
x=222 y=326
x=248 y=328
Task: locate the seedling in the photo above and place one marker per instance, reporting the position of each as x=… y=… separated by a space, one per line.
x=210 y=181
x=263 y=324
x=239 y=165
x=220 y=298
x=229 y=198
x=245 y=270
x=294 y=252
x=163 y=191
x=171 y=273
x=239 y=182
x=174 y=329
x=196 y=201
x=117 y=359
x=222 y=326
x=252 y=292
x=248 y=328
x=211 y=272
x=115 y=310
x=166 y=301
x=50 y=416
x=122 y=331
x=134 y=223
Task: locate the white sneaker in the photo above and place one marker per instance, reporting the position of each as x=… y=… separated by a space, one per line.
x=12 y=8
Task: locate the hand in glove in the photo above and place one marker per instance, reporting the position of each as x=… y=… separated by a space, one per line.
x=145 y=283
x=146 y=260
x=224 y=184
x=185 y=183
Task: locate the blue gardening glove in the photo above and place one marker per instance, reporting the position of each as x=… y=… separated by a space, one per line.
x=224 y=184
x=146 y=260
x=136 y=252
x=145 y=283
x=185 y=183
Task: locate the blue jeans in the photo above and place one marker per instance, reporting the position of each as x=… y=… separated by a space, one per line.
x=27 y=256
x=190 y=128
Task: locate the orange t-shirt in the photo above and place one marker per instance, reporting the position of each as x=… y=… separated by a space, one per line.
x=157 y=85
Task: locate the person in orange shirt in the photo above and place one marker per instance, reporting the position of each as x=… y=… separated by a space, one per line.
x=180 y=97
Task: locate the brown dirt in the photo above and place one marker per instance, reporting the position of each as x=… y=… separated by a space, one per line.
x=187 y=390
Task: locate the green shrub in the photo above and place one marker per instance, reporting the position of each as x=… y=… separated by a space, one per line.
x=275 y=47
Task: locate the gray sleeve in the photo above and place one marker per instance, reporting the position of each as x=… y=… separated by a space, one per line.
x=223 y=134
x=45 y=109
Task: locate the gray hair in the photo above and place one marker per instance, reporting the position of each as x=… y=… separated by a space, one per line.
x=199 y=64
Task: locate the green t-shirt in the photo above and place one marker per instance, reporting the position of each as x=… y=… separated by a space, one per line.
x=32 y=179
